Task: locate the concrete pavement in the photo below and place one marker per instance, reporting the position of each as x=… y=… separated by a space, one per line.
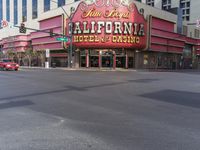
x=80 y=110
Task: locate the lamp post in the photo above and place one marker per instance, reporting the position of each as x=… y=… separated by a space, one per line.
x=70 y=35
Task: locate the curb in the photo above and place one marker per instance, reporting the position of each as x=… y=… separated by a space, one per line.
x=110 y=70
x=78 y=69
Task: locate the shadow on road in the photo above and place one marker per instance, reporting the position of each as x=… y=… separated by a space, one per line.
x=176 y=97
x=15 y=104
x=75 y=88
x=143 y=80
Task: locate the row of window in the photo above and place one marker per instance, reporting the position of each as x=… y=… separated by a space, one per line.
x=47 y=4
x=167 y=4
x=195 y=34
x=1 y=11
x=185 y=5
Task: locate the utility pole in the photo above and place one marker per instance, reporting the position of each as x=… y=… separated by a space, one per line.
x=71 y=38
x=71 y=34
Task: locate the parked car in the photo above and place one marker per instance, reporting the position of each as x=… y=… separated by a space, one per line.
x=8 y=64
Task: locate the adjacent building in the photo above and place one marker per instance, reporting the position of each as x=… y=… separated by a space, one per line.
x=104 y=34
x=189 y=7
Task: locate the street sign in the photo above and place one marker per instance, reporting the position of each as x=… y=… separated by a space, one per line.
x=64 y=39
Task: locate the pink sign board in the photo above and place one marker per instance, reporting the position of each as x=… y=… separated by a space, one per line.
x=107 y=26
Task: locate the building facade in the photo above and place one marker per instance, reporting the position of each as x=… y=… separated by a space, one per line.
x=189 y=7
x=105 y=35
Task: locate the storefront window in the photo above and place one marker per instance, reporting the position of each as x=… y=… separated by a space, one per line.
x=106 y=58
x=106 y=61
x=94 y=61
x=94 y=53
x=121 y=62
x=82 y=52
x=94 y=58
x=187 y=56
x=107 y=53
x=83 y=61
x=119 y=52
x=146 y=59
x=131 y=63
x=159 y=61
x=82 y=58
x=165 y=62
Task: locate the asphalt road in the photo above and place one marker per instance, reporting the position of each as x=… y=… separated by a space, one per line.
x=84 y=110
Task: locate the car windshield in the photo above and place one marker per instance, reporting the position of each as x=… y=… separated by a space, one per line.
x=7 y=60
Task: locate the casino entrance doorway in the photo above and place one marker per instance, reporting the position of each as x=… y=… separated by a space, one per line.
x=107 y=58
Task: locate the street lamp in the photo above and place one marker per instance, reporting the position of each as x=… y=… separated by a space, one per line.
x=70 y=36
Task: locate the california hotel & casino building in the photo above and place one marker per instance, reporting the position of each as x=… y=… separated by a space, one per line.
x=106 y=35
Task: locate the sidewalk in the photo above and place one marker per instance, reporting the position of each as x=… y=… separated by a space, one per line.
x=78 y=69
x=111 y=69
x=173 y=70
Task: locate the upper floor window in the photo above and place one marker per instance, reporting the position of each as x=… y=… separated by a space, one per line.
x=34 y=9
x=185 y=30
x=24 y=10
x=15 y=12
x=196 y=33
x=166 y=4
x=185 y=5
x=61 y=3
x=1 y=12
x=8 y=10
x=150 y=2
x=46 y=5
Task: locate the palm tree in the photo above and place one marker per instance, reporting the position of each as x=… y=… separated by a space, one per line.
x=10 y=54
x=29 y=53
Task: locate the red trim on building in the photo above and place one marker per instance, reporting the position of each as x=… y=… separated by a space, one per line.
x=164 y=39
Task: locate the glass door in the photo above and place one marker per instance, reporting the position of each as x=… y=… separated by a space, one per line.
x=94 y=61
x=82 y=58
x=107 y=60
x=94 y=58
x=120 y=61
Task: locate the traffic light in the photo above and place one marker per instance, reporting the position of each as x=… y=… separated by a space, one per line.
x=22 y=28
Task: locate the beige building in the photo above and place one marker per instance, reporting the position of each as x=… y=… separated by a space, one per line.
x=190 y=8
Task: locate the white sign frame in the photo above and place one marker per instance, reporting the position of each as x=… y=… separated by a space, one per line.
x=47 y=53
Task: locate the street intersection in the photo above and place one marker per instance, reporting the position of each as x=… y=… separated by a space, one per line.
x=52 y=109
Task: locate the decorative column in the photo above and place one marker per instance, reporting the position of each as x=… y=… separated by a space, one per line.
x=114 y=60
x=87 y=58
x=126 y=66
x=100 y=53
x=77 y=58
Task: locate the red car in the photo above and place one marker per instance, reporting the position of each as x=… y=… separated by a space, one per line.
x=8 y=64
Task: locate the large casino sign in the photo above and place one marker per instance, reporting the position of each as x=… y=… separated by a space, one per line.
x=108 y=26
